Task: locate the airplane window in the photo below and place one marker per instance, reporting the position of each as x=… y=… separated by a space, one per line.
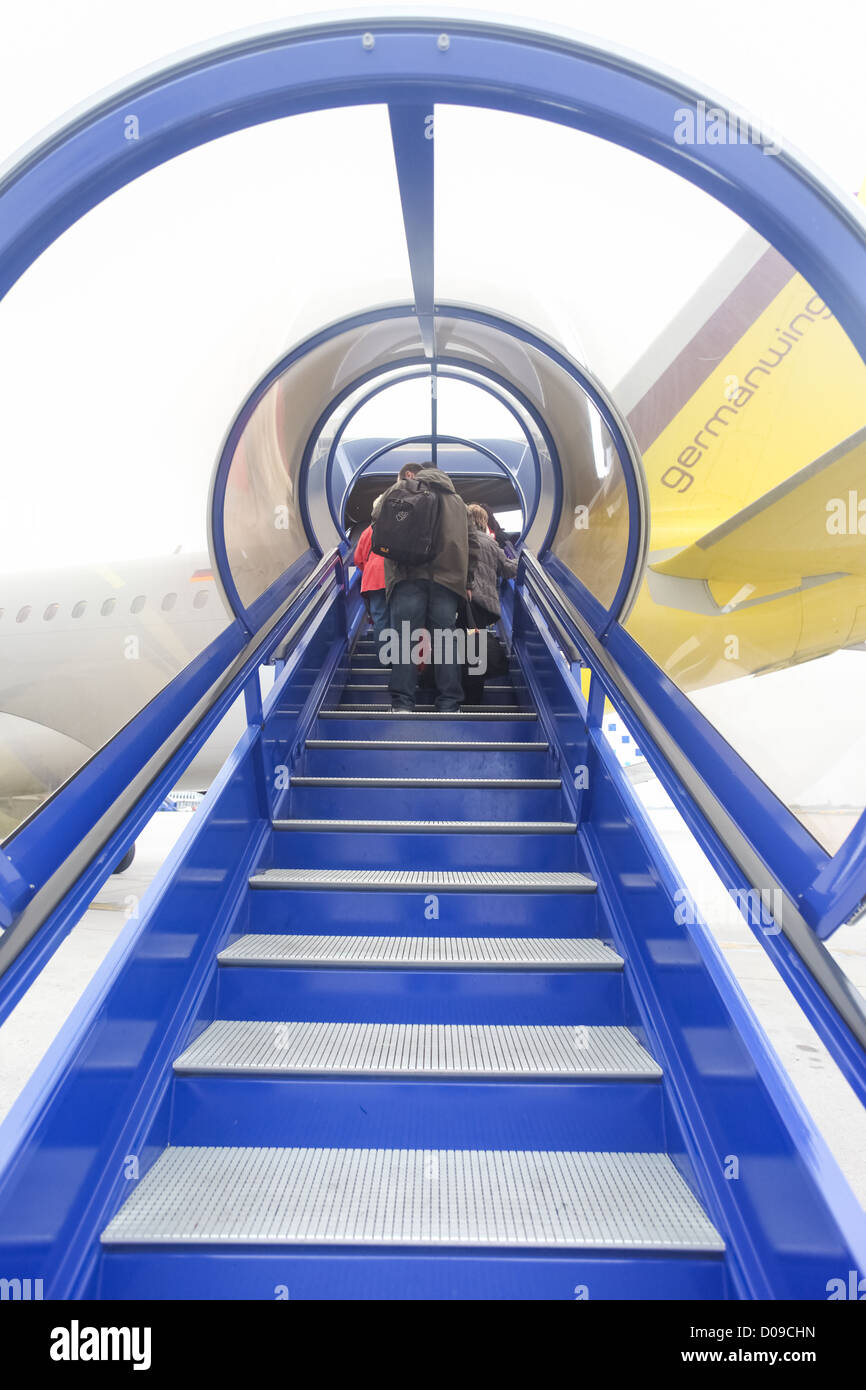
x=79 y=608
x=23 y=614
x=168 y=602
x=200 y=599
x=108 y=607
x=137 y=603
x=50 y=612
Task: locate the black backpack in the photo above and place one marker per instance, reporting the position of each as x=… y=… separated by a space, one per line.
x=405 y=527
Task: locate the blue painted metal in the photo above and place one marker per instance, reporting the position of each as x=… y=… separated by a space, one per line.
x=373 y=1114
x=481 y=377
x=481 y=380
x=282 y=72
x=791 y=855
x=720 y=1096
x=15 y=891
x=629 y=461
x=630 y=464
x=393 y=850
x=279 y=72
x=39 y=847
x=94 y=1130
x=789 y=1221
x=477 y=445
x=318 y=1274
x=839 y=888
x=698 y=1023
x=434 y=412
x=222 y=468
x=412 y=138
x=396 y=996
x=87 y=1122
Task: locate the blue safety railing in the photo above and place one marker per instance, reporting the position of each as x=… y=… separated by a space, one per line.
x=100 y=1107
x=54 y=863
x=763 y=855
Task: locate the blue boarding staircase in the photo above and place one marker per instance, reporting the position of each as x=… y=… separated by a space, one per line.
x=411 y=1012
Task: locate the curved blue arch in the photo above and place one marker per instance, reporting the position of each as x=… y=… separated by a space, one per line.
x=465 y=375
x=219 y=478
x=276 y=72
x=279 y=71
x=466 y=366
x=629 y=457
x=626 y=448
x=617 y=427
x=425 y=439
x=282 y=71
x=488 y=380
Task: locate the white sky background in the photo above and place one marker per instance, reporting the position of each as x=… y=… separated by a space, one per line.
x=126 y=349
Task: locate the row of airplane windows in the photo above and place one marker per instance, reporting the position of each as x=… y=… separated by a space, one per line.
x=107 y=607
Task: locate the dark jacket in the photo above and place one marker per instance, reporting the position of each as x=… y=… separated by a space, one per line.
x=457 y=539
x=491 y=565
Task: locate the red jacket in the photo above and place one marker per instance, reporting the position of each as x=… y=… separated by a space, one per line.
x=371 y=564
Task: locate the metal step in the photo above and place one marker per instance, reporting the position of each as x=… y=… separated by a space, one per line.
x=546 y=953
x=427 y=880
x=255 y=1048
x=371 y=677
x=434 y=827
x=494 y=783
x=502 y=688
x=429 y=745
x=386 y=712
x=367 y=683
x=421 y=1197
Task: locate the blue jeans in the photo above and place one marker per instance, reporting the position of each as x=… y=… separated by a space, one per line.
x=424 y=603
x=378 y=612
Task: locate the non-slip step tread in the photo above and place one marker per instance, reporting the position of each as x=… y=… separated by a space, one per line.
x=454 y=745
x=383 y=684
x=481 y=783
x=429 y=880
x=460 y=827
x=547 y=953
x=252 y=1047
x=417 y=1197
x=466 y=713
x=378 y=678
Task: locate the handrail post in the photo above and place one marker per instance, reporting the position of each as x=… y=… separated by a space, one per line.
x=15 y=891
x=255 y=723
x=595 y=703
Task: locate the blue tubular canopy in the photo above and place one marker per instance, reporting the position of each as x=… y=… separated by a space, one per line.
x=584 y=455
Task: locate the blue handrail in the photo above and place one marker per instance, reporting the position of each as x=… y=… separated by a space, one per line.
x=70 y=845
x=751 y=839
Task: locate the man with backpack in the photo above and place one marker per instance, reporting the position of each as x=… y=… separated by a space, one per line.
x=422 y=529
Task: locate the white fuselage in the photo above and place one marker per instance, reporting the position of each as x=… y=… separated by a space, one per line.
x=82 y=650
